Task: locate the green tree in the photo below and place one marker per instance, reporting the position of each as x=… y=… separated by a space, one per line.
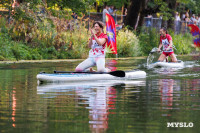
x=192 y=5
x=138 y=9
x=75 y=5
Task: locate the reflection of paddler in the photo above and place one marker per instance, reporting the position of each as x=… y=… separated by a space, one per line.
x=98 y=110
x=103 y=101
x=100 y=101
x=166 y=89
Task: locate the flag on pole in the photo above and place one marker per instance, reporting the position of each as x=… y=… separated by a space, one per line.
x=194 y=29
x=111 y=33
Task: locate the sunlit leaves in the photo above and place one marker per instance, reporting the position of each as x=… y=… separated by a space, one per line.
x=165 y=11
x=75 y=5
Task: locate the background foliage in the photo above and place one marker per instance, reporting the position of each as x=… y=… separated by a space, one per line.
x=45 y=29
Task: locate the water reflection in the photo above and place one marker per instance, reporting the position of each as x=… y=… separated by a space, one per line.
x=128 y=106
x=111 y=64
x=166 y=92
x=97 y=97
x=167 y=71
x=170 y=89
x=14 y=103
x=100 y=100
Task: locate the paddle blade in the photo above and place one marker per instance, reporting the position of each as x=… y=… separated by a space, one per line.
x=154 y=50
x=117 y=73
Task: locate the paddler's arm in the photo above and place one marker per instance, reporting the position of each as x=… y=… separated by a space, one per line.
x=90 y=41
x=99 y=41
x=170 y=45
x=159 y=47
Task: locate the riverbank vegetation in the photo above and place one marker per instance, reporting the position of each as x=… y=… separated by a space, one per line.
x=35 y=33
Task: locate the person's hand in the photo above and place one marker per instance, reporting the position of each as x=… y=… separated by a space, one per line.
x=158 y=50
x=168 y=48
x=92 y=33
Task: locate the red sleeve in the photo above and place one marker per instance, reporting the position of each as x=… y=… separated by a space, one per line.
x=169 y=37
x=105 y=36
x=160 y=39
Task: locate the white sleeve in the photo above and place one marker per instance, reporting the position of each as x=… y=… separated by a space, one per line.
x=107 y=11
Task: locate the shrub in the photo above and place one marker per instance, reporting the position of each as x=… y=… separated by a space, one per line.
x=148 y=40
x=2 y=58
x=182 y=42
x=127 y=44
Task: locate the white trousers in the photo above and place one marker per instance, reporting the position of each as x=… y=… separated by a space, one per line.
x=90 y=62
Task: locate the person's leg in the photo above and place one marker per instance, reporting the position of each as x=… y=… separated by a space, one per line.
x=100 y=62
x=162 y=57
x=173 y=57
x=167 y=59
x=84 y=65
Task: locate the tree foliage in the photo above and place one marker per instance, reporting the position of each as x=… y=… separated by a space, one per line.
x=193 y=6
x=141 y=8
x=166 y=8
x=4 y=2
x=75 y=5
x=117 y=3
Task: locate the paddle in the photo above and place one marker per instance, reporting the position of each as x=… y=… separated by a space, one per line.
x=152 y=55
x=154 y=50
x=117 y=73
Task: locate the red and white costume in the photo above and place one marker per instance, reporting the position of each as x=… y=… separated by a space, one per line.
x=98 y=50
x=96 y=56
x=165 y=42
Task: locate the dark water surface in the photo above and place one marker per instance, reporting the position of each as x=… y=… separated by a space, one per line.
x=133 y=106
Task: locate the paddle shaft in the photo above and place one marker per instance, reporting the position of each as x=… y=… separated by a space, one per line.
x=81 y=72
x=113 y=73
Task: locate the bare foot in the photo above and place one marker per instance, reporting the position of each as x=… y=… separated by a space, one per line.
x=108 y=70
x=92 y=70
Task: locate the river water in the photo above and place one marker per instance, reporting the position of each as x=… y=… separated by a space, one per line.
x=135 y=106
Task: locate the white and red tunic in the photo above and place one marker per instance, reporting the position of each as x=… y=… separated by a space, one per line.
x=98 y=50
x=165 y=42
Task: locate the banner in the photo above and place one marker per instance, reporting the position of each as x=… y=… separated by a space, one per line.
x=194 y=29
x=111 y=33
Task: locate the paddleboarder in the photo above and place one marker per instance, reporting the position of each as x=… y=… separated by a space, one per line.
x=97 y=43
x=166 y=43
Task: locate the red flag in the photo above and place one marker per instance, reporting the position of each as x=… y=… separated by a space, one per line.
x=195 y=33
x=111 y=33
